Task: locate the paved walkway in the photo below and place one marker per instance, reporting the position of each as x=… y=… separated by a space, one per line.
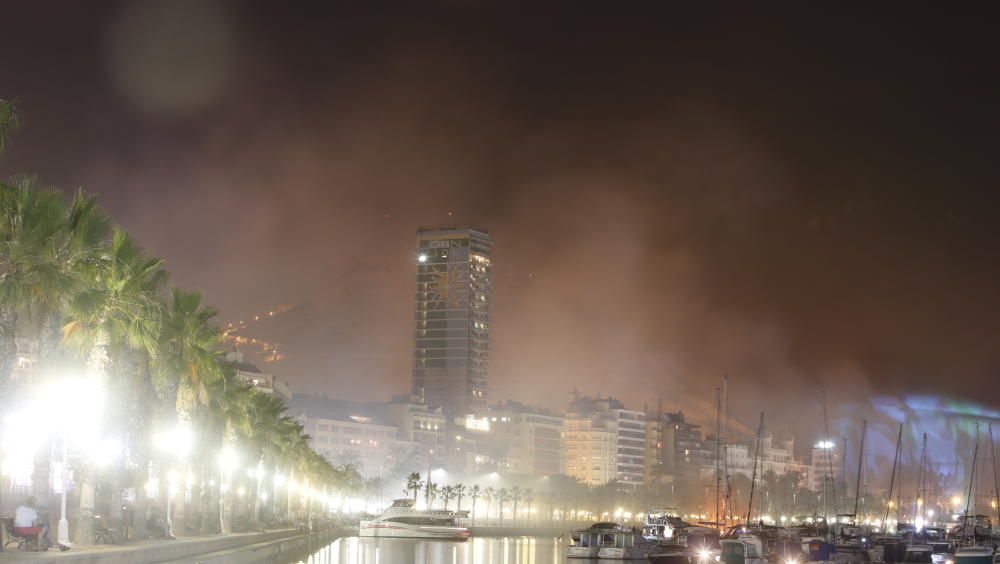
x=141 y=551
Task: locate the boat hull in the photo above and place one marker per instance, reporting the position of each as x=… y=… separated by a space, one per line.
x=582 y=551
x=375 y=529
x=973 y=559
x=630 y=553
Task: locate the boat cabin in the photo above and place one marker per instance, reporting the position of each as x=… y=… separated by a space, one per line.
x=919 y=554
x=744 y=550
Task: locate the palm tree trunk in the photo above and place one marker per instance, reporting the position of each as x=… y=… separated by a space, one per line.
x=97 y=360
x=193 y=515
x=84 y=532
x=141 y=505
x=49 y=339
x=255 y=518
x=180 y=507
x=115 y=509
x=209 y=503
x=289 y=496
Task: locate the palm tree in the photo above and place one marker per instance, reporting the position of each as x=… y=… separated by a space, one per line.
x=474 y=493
x=515 y=496
x=414 y=484
x=489 y=494
x=32 y=222
x=65 y=283
x=433 y=491
x=459 y=492
x=189 y=354
x=118 y=314
x=528 y=498
x=502 y=496
x=32 y=218
x=267 y=425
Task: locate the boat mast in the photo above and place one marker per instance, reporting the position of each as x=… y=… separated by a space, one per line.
x=996 y=490
x=861 y=458
x=829 y=459
x=972 y=480
x=718 y=451
x=921 y=478
x=753 y=478
x=892 y=480
x=726 y=509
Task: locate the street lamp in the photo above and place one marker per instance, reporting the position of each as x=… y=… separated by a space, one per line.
x=76 y=405
x=175 y=442
x=228 y=461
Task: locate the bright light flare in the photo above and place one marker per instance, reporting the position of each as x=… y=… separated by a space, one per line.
x=106 y=453
x=177 y=441
x=228 y=460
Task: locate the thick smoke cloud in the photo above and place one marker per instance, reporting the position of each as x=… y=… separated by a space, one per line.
x=671 y=203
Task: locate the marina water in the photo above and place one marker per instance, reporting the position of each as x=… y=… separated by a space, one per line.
x=477 y=550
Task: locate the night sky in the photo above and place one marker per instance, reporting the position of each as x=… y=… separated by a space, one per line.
x=796 y=199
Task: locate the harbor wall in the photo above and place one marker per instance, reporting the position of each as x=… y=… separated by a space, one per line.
x=274 y=551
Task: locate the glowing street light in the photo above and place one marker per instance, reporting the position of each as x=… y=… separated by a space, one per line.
x=75 y=404
x=228 y=462
x=176 y=442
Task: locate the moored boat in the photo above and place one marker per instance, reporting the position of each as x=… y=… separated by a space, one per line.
x=403 y=520
x=588 y=542
x=974 y=555
x=627 y=545
x=744 y=549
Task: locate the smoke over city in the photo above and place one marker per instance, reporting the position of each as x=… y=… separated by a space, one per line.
x=659 y=224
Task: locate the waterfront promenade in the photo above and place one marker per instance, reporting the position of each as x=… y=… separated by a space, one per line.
x=236 y=547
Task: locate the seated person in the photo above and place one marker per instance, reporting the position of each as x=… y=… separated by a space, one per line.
x=27 y=524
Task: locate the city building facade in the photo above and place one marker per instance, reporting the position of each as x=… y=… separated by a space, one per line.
x=346 y=432
x=249 y=374
x=451 y=356
x=605 y=442
x=825 y=465
x=533 y=439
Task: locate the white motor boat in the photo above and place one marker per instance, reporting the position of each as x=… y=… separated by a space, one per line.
x=627 y=545
x=588 y=542
x=403 y=520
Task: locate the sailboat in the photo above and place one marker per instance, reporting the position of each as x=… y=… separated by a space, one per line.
x=974 y=527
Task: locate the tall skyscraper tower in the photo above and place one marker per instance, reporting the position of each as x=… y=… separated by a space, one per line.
x=451 y=353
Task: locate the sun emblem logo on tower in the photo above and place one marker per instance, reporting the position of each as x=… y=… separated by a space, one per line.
x=446 y=287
